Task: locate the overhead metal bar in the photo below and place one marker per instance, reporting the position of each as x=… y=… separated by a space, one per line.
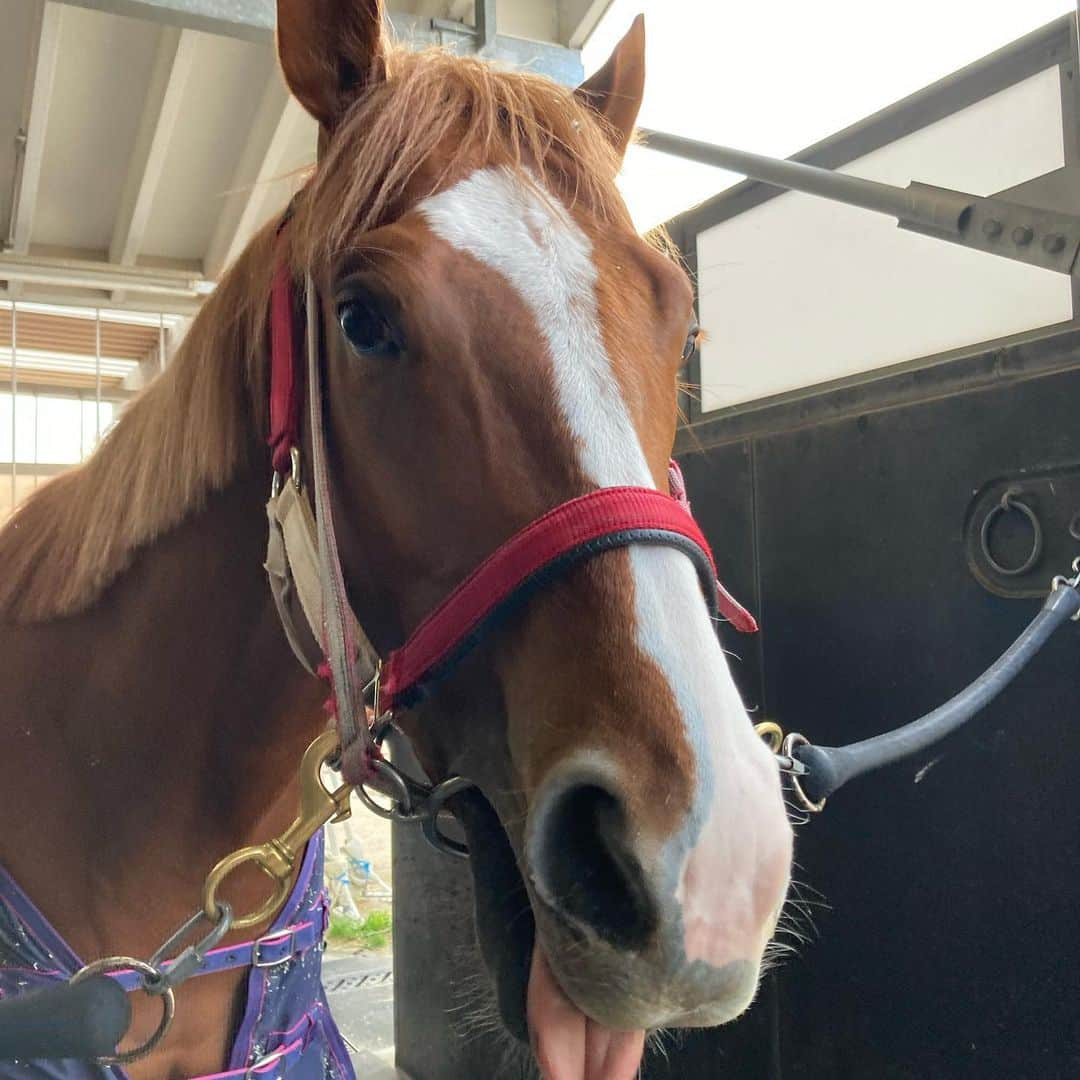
x=485 y=22
x=97 y=376
x=482 y=29
x=254 y=20
x=14 y=401
x=1039 y=236
x=89 y=298
x=542 y=57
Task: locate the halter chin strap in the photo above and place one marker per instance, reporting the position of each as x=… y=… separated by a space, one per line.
x=304 y=567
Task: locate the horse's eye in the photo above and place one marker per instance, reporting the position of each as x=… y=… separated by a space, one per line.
x=367 y=332
x=691 y=343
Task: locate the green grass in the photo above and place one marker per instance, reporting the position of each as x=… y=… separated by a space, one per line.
x=370 y=932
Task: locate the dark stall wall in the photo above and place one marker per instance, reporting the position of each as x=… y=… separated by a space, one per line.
x=953 y=882
x=948 y=950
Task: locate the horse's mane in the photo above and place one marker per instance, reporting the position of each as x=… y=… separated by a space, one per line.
x=186 y=435
x=198 y=424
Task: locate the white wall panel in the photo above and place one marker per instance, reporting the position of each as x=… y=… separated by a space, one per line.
x=800 y=291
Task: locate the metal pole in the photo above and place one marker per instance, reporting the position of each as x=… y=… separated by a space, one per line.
x=97 y=376
x=14 y=396
x=485 y=23
x=935 y=209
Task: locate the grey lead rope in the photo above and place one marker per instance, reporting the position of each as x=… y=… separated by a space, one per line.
x=830 y=767
x=340 y=649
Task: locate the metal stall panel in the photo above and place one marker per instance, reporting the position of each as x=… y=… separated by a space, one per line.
x=949 y=879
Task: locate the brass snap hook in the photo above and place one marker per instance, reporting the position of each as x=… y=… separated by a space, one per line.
x=277 y=858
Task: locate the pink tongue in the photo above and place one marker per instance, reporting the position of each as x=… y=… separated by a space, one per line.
x=570 y=1046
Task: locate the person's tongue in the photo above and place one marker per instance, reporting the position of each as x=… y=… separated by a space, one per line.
x=570 y=1046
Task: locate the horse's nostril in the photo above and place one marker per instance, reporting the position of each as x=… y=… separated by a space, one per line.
x=584 y=865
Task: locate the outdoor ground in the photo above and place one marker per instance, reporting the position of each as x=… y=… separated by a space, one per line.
x=358 y=967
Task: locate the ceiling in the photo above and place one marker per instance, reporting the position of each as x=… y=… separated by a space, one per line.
x=143 y=142
x=152 y=153
x=139 y=154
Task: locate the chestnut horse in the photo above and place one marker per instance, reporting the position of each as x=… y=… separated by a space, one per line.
x=496 y=339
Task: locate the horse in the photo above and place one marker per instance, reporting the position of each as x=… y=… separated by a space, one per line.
x=495 y=339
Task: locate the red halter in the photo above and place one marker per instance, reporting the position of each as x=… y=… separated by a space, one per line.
x=602 y=520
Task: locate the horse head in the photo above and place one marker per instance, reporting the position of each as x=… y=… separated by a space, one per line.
x=496 y=339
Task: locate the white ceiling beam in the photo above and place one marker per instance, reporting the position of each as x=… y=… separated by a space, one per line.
x=172 y=67
x=88 y=274
x=149 y=304
x=278 y=121
x=35 y=124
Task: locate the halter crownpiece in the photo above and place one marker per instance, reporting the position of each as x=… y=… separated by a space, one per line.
x=305 y=571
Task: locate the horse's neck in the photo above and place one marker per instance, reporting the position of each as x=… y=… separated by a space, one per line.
x=151 y=735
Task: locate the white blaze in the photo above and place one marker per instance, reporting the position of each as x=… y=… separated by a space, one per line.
x=533 y=242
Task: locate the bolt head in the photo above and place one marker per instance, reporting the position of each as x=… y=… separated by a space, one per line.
x=1053 y=243
x=1022 y=235
x=992 y=228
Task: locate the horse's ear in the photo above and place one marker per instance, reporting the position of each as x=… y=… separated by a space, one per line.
x=330 y=50
x=616 y=90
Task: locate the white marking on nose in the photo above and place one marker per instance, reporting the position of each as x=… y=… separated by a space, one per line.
x=737 y=820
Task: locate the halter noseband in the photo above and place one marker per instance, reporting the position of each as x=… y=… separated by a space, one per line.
x=302 y=557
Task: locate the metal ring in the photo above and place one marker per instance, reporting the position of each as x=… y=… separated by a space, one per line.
x=433 y=806
x=791 y=743
x=1009 y=501
x=112 y=964
x=402 y=808
x=772 y=733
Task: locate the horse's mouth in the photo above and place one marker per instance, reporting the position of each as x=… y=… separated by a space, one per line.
x=531 y=1002
x=532 y=1005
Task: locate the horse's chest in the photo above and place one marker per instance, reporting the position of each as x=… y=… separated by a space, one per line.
x=270 y=1016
